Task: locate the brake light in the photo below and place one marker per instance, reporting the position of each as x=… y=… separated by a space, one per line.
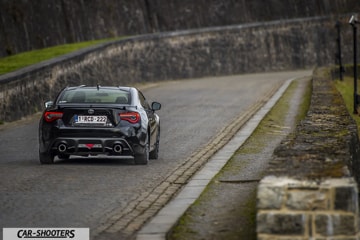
x=52 y=116
x=131 y=117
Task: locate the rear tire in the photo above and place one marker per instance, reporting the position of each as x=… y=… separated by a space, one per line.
x=46 y=158
x=154 y=154
x=143 y=158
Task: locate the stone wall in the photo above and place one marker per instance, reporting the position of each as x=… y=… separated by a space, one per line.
x=257 y=47
x=26 y=25
x=304 y=209
x=310 y=189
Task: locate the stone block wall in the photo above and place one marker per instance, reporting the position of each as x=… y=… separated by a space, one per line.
x=256 y=47
x=302 y=209
x=311 y=186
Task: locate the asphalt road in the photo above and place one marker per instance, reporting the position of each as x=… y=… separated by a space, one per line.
x=83 y=192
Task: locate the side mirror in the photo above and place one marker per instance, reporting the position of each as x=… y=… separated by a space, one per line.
x=155 y=106
x=49 y=104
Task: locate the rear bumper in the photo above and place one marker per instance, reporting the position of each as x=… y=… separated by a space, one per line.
x=125 y=141
x=95 y=146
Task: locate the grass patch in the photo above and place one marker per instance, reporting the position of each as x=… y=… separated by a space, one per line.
x=346 y=89
x=272 y=122
x=15 y=62
x=305 y=104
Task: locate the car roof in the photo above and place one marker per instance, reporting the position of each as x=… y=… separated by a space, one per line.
x=123 y=88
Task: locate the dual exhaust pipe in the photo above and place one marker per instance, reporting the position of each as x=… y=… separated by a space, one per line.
x=117 y=148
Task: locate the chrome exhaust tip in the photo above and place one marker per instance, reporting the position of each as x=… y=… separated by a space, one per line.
x=62 y=147
x=117 y=148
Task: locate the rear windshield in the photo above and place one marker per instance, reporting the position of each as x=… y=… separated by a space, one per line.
x=83 y=95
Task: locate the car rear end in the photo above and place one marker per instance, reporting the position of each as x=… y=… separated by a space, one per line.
x=91 y=121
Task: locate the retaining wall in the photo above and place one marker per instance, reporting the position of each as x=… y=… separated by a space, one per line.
x=26 y=25
x=311 y=187
x=257 y=47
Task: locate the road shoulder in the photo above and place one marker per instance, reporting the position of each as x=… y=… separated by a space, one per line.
x=224 y=193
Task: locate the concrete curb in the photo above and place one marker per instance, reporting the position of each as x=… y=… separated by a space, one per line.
x=167 y=217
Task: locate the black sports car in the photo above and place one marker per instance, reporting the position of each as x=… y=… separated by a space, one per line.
x=96 y=120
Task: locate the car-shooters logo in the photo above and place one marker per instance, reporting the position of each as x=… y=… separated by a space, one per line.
x=46 y=233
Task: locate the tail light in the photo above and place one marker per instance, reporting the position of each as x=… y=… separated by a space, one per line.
x=52 y=116
x=131 y=117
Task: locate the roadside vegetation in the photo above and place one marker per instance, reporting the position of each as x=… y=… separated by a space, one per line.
x=346 y=89
x=15 y=62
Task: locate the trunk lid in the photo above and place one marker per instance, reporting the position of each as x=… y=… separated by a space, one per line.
x=90 y=116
